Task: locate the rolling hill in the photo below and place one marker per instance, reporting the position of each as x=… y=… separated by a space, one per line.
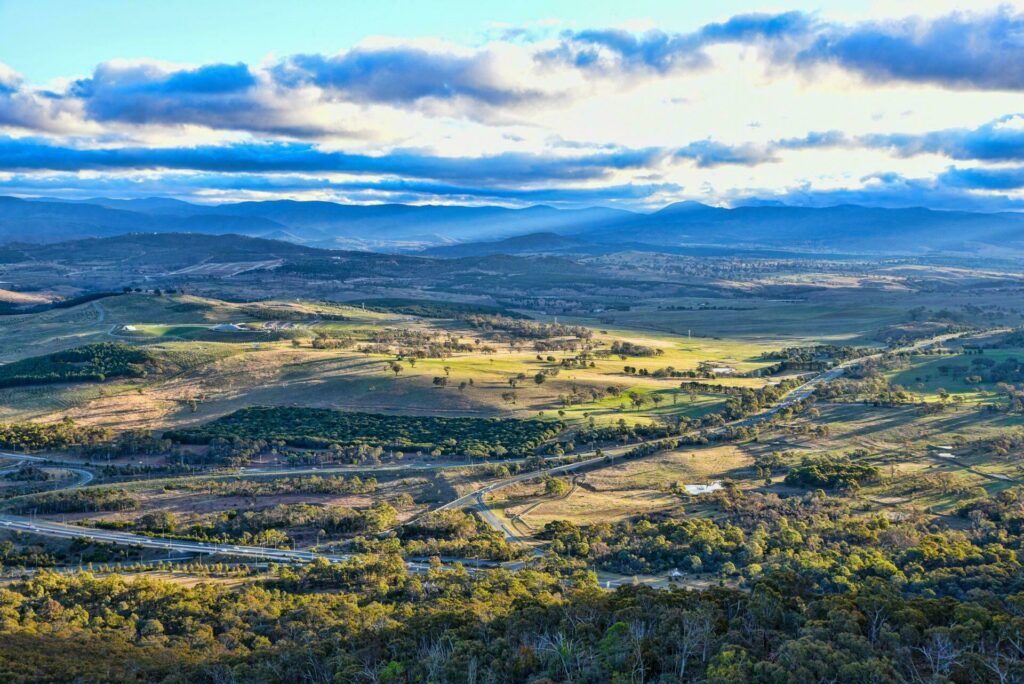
x=453 y=231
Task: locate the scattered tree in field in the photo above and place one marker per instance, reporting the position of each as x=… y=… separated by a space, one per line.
x=555 y=487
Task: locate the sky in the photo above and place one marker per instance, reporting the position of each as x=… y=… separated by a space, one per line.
x=569 y=103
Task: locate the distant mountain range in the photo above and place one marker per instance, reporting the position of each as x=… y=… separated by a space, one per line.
x=320 y=224
x=449 y=231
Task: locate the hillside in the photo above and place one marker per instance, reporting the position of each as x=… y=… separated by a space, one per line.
x=324 y=224
x=452 y=231
x=830 y=228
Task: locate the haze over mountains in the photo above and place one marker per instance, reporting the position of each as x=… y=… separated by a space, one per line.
x=447 y=231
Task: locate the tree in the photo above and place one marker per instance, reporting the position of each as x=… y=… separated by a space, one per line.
x=159 y=521
x=555 y=487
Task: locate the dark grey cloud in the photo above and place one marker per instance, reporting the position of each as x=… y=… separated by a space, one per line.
x=982 y=51
x=20 y=107
x=28 y=154
x=221 y=96
x=999 y=140
x=555 y=195
x=405 y=75
x=962 y=50
x=710 y=153
x=995 y=179
x=890 y=190
x=660 y=52
x=198 y=185
x=814 y=139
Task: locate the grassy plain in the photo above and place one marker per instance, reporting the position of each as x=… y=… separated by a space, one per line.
x=234 y=369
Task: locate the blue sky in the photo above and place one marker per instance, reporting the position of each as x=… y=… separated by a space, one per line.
x=45 y=39
x=569 y=103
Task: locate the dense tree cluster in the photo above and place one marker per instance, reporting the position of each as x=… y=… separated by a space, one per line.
x=91 y=500
x=986 y=369
x=276 y=526
x=454 y=534
x=30 y=473
x=527 y=329
x=368 y=620
x=831 y=472
x=823 y=540
x=129 y=443
x=90 y=363
x=417 y=344
x=873 y=389
x=625 y=348
x=60 y=435
x=313 y=484
x=319 y=428
x=432 y=308
x=283 y=313
x=324 y=341
x=813 y=358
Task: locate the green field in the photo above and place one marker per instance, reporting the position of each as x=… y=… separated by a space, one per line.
x=957 y=374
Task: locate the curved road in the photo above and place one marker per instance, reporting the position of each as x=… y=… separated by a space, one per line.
x=61 y=530
x=475 y=498
x=84 y=476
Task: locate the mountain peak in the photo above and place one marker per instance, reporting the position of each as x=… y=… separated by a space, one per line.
x=683 y=207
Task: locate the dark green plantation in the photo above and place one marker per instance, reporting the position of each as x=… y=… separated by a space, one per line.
x=90 y=363
x=435 y=309
x=321 y=428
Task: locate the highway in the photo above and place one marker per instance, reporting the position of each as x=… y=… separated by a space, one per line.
x=473 y=499
x=55 y=529
x=287 y=556
x=49 y=528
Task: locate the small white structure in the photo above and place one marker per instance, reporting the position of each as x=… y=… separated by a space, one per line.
x=695 y=489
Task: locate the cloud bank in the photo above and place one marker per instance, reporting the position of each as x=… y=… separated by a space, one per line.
x=433 y=120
